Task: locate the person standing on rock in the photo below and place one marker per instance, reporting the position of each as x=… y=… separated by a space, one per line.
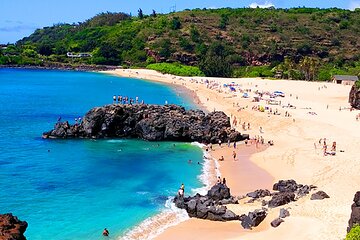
x=224 y=181
x=114 y=99
x=219 y=143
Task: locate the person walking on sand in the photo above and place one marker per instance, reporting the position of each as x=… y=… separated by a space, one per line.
x=248 y=126
x=228 y=142
x=234 y=155
x=218 y=180
x=235 y=145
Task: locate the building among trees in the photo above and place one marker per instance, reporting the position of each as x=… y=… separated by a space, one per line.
x=344 y=79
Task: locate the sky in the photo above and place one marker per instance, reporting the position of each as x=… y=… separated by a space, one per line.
x=19 y=18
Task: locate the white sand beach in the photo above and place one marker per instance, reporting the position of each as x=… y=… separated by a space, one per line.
x=315 y=114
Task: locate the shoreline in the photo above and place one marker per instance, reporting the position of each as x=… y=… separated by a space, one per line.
x=296 y=153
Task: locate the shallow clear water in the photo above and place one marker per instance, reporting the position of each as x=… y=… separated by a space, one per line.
x=72 y=189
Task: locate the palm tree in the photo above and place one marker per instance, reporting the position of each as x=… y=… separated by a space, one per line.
x=309 y=66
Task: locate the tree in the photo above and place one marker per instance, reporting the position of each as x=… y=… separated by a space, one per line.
x=153 y=13
x=175 y=23
x=309 y=66
x=45 y=49
x=140 y=13
x=215 y=64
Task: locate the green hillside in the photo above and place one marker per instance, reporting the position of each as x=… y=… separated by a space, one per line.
x=299 y=43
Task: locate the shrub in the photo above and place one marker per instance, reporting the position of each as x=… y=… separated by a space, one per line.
x=354 y=233
x=357 y=84
x=176 y=69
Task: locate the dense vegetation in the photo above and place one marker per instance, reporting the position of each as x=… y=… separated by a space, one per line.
x=175 y=69
x=298 y=43
x=354 y=233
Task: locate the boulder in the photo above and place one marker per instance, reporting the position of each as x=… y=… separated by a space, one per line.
x=286 y=186
x=149 y=122
x=230 y=216
x=355 y=212
x=259 y=193
x=281 y=198
x=253 y=219
x=354 y=96
x=11 y=228
x=219 y=192
x=320 y=195
x=284 y=213
x=276 y=222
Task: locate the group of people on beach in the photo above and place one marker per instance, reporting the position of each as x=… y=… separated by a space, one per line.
x=126 y=100
x=332 y=152
x=219 y=181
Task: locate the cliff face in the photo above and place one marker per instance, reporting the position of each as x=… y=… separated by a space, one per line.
x=354 y=97
x=149 y=122
x=11 y=228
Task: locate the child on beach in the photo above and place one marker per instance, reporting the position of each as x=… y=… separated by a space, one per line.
x=234 y=155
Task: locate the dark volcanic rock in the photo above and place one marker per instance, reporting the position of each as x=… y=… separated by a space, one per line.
x=320 y=195
x=209 y=206
x=284 y=213
x=259 y=193
x=286 y=186
x=291 y=186
x=11 y=228
x=354 y=97
x=253 y=219
x=276 y=222
x=149 y=122
x=219 y=192
x=355 y=212
x=281 y=198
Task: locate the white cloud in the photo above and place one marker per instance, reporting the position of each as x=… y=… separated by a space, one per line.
x=354 y=4
x=267 y=4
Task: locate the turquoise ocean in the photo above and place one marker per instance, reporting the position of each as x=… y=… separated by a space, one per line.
x=73 y=189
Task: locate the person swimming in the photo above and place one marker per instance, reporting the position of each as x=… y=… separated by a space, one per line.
x=105 y=232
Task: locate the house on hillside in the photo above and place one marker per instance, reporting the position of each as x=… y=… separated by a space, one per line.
x=80 y=55
x=344 y=79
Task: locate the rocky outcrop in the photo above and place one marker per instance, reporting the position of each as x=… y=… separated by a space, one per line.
x=149 y=122
x=281 y=198
x=209 y=206
x=291 y=186
x=355 y=212
x=260 y=193
x=320 y=195
x=11 y=228
x=253 y=219
x=354 y=97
